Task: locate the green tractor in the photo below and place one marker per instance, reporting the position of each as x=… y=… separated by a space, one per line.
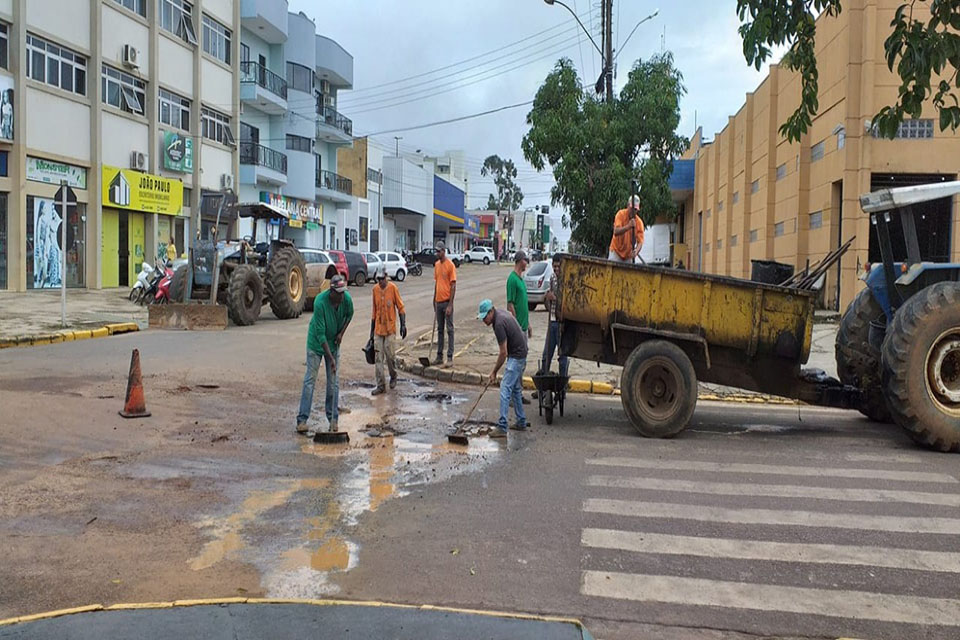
x=244 y=275
x=899 y=340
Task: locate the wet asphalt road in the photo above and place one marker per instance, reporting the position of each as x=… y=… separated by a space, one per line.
x=758 y=520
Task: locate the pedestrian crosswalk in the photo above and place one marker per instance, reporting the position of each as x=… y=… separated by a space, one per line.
x=867 y=548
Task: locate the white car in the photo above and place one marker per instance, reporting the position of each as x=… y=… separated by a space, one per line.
x=395 y=264
x=480 y=254
x=538 y=278
x=373 y=263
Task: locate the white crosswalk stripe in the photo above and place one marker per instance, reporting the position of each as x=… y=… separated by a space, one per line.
x=636 y=529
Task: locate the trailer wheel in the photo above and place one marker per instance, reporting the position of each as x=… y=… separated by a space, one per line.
x=658 y=389
x=244 y=295
x=921 y=366
x=178 y=284
x=858 y=363
x=285 y=283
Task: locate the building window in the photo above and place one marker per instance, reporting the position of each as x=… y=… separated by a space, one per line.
x=216 y=126
x=52 y=64
x=216 y=39
x=174 y=110
x=176 y=16
x=755 y=186
x=911 y=129
x=719 y=245
x=754 y=235
x=122 y=90
x=816 y=219
x=139 y=7
x=374 y=176
x=779 y=229
x=299 y=143
x=244 y=53
x=3 y=241
x=299 y=77
x=719 y=208
x=736 y=197
x=816 y=152
x=782 y=171
x=841 y=139
x=733 y=241
x=4 y=46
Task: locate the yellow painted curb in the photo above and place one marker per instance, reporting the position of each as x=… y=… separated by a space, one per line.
x=122 y=327
x=580 y=386
x=528 y=383
x=102 y=332
x=51 y=614
x=82 y=334
x=69 y=336
x=204 y=601
x=603 y=388
x=127 y=606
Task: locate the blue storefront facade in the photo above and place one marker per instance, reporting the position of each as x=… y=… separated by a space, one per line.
x=451 y=222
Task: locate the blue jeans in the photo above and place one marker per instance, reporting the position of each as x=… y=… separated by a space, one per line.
x=511 y=388
x=332 y=400
x=553 y=344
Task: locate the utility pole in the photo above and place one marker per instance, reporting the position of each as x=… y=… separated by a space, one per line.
x=608 y=47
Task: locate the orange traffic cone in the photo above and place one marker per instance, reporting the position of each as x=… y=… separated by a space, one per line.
x=135 y=406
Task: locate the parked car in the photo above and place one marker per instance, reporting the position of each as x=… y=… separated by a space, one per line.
x=395 y=264
x=340 y=261
x=538 y=278
x=320 y=269
x=373 y=263
x=479 y=254
x=535 y=255
x=357 y=267
x=429 y=256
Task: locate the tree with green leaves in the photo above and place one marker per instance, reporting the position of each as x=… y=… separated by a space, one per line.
x=596 y=149
x=923 y=49
x=509 y=196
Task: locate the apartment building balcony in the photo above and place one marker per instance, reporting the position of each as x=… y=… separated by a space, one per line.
x=262 y=165
x=265 y=18
x=262 y=89
x=334 y=187
x=334 y=63
x=333 y=127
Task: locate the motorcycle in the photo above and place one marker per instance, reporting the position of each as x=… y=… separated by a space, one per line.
x=163 y=286
x=149 y=294
x=414 y=268
x=142 y=283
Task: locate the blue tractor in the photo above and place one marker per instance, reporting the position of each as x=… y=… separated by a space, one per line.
x=899 y=340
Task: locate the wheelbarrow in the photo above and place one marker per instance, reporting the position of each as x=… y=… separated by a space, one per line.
x=551 y=393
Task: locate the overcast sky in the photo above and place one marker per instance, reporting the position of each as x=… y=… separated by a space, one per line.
x=513 y=44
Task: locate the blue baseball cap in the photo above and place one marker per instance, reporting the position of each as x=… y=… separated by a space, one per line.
x=484 y=309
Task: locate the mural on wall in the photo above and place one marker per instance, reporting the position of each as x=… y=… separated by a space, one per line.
x=6 y=107
x=46 y=245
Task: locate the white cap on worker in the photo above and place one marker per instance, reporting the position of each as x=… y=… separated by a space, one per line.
x=635 y=200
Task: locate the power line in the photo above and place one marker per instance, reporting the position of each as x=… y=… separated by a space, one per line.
x=451 y=120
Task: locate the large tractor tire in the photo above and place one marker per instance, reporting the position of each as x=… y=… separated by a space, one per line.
x=921 y=366
x=858 y=364
x=658 y=389
x=286 y=283
x=178 y=284
x=244 y=295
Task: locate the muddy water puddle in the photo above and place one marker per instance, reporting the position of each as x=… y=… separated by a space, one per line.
x=298 y=532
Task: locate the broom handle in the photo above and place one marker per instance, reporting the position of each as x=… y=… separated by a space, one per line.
x=470 y=413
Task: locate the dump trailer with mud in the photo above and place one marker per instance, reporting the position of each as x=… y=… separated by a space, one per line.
x=671 y=328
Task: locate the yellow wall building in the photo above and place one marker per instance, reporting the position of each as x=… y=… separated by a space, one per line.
x=757 y=196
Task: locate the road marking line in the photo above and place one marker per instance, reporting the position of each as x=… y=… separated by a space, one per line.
x=776 y=490
x=856 y=605
x=782 y=470
x=702 y=513
x=890 y=558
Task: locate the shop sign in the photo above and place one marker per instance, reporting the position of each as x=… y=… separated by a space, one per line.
x=296 y=224
x=297 y=209
x=6 y=107
x=127 y=189
x=312 y=226
x=177 y=152
x=40 y=170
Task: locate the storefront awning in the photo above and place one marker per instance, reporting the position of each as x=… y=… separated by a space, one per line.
x=261 y=210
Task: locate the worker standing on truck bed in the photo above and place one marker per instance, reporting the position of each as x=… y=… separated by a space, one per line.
x=627 y=233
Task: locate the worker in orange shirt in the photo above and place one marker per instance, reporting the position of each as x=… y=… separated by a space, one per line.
x=627 y=233
x=444 y=291
x=387 y=304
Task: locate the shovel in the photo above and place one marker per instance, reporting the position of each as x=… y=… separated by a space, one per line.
x=424 y=360
x=459 y=437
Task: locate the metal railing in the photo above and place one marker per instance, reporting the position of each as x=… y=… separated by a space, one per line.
x=334 y=182
x=254 y=72
x=332 y=118
x=253 y=153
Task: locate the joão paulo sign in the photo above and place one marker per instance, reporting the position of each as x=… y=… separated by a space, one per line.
x=126 y=189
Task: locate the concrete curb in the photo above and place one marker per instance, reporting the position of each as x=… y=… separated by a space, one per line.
x=593 y=387
x=69 y=336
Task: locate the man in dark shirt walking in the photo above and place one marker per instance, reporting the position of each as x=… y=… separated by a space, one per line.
x=513 y=352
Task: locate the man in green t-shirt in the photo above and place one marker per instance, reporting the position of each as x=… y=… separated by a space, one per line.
x=332 y=313
x=517 y=292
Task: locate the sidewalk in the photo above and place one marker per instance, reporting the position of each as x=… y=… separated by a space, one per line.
x=477 y=349
x=37 y=313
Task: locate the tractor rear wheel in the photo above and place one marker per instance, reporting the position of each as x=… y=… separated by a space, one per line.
x=658 y=389
x=178 y=284
x=286 y=283
x=921 y=366
x=244 y=295
x=858 y=364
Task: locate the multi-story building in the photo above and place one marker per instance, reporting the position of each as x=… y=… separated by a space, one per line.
x=133 y=104
x=290 y=130
x=755 y=196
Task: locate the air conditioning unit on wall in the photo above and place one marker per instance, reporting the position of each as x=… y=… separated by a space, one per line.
x=138 y=160
x=131 y=56
x=226 y=181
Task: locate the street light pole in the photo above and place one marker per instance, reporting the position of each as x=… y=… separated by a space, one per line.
x=577 y=18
